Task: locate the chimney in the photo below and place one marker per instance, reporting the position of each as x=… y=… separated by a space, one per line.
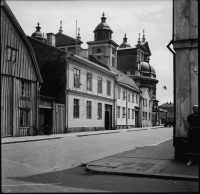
x=51 y=39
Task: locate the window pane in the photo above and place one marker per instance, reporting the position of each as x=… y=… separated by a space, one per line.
x=13 y=55
x=8 y=53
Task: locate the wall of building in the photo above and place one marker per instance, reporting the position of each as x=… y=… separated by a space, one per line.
x=12 y=72
x=148 y=109
x=186 y=61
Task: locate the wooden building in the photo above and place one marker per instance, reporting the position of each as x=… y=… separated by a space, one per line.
x=20 y=78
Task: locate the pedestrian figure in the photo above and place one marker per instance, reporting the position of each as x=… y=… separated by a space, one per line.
x=193 y=133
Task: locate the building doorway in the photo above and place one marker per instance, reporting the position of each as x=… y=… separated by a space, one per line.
x=108 y=117
x=136 y=118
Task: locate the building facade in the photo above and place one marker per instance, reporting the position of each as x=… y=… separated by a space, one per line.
x=146 y=105
x=185 y=44
x=20 y=78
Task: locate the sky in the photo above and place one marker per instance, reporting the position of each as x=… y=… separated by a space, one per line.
x=130 y=17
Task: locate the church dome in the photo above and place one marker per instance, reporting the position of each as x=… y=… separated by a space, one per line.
x=37 y=34
x=147 y=68
x=103 y=25
x=125 y=44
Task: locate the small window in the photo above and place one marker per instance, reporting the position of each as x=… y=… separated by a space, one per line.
x=25 y=89
x=123 y=112
x=99 y=114
x=132 y=97
x=76 y=78
x=119 y=92
x=129 y=97
x=24 y=119
x=108 y=87
x=89 y=81
x=100 y=85
x=150 y=116
x=118 y=112
x=124 y=95
x=128 y=113
x=89 y=109
x=113 y=61
x=11 y=54
x=132 y=113
x=76 y=108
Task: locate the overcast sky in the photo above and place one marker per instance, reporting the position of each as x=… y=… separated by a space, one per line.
x=130 y=17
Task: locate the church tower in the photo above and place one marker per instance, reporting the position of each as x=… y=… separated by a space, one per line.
x=103 y=47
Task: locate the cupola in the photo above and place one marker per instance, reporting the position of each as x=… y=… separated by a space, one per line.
x=37 y=34
x=125 y=44
x=103 y=31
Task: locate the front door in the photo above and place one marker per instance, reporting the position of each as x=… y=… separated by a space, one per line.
x=136 y=119
x=108 y=117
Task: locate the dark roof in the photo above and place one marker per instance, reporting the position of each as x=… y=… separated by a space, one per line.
x=62 y=39
x=168 y=106
x=23 y=35
x=97 y=61
x=123 y=78
x=127 y=62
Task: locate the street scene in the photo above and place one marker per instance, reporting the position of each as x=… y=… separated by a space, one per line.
x=60 y=164
x=99 y=96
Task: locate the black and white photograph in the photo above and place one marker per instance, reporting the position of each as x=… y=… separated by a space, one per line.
x=99 y=96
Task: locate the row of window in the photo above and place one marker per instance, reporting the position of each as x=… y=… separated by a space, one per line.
x=129 y=96
x=89 y=82
x=145 y=103
x=124 y=112
x=88 y=109
x=144 y=114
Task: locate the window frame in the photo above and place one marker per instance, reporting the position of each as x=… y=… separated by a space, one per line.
x=133 y=114
x=133 y=96
x=123 y=112
x=99 y=84
x=89 y=81
x=89 y=109
x=24 y=117
x=124 y=94
x=118 y=111
x=78 y=84
x=119 y=92
x=108 y=88
x=99 y=111
x=129 y=112
x=76 y=110
x=12 y=50
x=25 y=89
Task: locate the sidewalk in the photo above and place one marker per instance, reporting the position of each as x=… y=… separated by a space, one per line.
x=6 y=140
x=149 y=161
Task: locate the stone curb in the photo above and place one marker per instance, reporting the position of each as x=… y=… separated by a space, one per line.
x=142 y=174
x=30 y=140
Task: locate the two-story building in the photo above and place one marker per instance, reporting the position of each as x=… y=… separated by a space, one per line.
x=20 y=78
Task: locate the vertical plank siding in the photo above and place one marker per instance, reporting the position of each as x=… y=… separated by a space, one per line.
x=11 y=75
x=6 y=109
x=59 y=125
x=23 y=67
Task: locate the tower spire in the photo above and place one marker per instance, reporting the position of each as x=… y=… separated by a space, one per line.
x=61 y=27
x=125 y=39
x=139 y=39
x=103 y=19
x=143 y=39
x=78 y=37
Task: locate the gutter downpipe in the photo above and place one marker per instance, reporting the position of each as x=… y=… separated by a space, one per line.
x=174 y=74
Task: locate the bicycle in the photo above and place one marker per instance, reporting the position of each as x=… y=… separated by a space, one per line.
x=36 y=130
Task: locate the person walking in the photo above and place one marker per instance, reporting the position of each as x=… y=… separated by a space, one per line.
x=193 y=133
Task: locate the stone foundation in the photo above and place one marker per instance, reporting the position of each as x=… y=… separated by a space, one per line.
x=84 y=129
